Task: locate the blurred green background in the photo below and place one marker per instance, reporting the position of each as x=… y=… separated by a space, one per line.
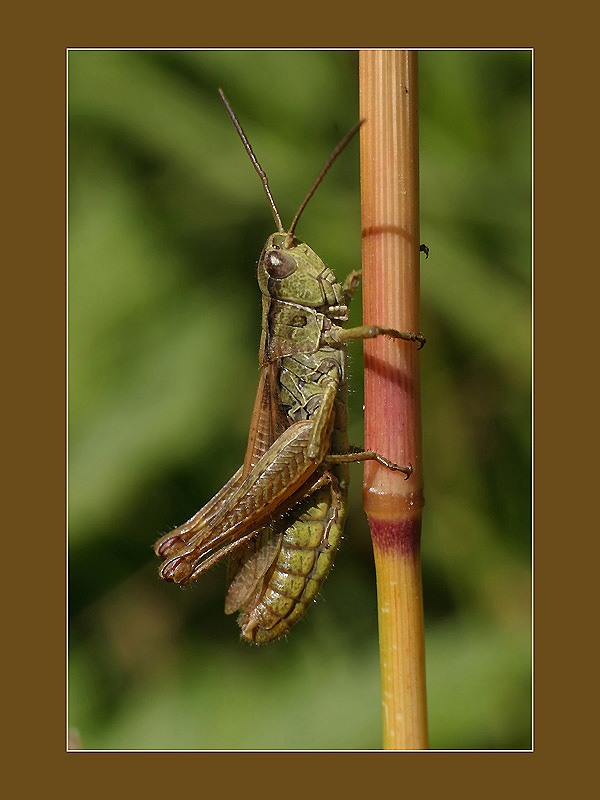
x=167 y=220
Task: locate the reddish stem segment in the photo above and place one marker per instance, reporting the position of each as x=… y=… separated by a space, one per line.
x=390 y=198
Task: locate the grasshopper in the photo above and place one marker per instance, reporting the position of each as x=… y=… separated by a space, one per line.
x=280 y=517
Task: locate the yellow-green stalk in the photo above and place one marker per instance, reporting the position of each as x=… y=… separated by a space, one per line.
x=390 y=236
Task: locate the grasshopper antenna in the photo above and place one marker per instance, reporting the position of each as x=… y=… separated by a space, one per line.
x=254 y=160
x=347 y=138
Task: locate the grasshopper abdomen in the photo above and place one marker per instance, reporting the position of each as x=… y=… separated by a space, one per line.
x=301 y=566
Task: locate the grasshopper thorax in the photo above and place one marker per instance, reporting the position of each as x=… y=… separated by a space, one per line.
x=296 y=274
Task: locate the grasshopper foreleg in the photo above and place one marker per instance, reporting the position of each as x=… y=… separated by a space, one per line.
x=351 y=284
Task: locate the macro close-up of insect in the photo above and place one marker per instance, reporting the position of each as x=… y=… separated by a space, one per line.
x=253 y=408
x=280 y=518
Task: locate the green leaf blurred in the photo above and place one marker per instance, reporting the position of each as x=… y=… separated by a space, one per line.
x=167 y=220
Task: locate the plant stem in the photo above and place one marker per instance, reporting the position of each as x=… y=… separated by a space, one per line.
x=390 y=222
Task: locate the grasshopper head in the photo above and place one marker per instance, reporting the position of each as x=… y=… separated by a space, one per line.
x=296 y=274
x=288 y=269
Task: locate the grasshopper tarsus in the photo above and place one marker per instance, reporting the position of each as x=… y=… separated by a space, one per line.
x=408 y=470
x=424 y=249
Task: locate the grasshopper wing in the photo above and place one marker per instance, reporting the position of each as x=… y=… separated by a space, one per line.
x=266 y=425
x=268 y=420
x=251 y=561
x=249 y=564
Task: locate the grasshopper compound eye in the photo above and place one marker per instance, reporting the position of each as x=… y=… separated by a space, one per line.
x=279 y=264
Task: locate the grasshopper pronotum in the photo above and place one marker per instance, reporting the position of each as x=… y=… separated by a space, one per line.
x=281 y=516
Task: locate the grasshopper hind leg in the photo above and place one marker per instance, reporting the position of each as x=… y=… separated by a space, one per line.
x=176 y=539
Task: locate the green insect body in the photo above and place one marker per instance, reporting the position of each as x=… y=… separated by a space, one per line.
x=309 y=534
x=281 y=516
